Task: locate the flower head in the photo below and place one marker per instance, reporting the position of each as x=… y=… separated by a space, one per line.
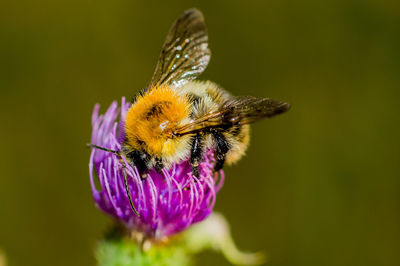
x=167 y=202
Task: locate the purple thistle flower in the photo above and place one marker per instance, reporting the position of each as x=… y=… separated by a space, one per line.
x=167 y=203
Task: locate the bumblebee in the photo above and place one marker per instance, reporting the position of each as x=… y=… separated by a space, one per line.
x=176 y=117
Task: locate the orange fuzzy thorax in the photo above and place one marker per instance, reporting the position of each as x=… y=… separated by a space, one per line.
x=151 y=120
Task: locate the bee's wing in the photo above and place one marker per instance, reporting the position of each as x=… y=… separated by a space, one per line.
x=185 y=53
x=237 y=111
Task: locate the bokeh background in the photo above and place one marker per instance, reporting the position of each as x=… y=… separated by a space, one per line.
x=320 y=184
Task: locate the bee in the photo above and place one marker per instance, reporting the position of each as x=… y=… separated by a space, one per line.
x=177 y=117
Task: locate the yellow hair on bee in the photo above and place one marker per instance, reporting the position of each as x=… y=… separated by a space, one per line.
x=151 y=120
x=239 y=145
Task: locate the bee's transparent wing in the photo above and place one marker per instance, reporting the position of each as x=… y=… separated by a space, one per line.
x=236 y=111
x=185 y=53
x=250 y=109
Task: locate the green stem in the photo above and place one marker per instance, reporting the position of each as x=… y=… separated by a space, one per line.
x=126 y=252
x=212 y=234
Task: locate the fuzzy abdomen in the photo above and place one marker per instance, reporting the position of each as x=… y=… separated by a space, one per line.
x=206 y=97
x=239 y=139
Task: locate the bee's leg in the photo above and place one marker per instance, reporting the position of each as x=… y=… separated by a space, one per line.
x=221 y=148
x=128 y=192
x=196 y=154
x=159 y=165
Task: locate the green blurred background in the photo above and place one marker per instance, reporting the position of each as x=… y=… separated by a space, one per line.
x=320 y=184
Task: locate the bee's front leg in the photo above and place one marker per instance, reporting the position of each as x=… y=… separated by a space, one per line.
x=159 y=165
x=221 y=148
x=196 y=154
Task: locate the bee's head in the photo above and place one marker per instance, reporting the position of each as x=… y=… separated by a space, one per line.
x=151 y=120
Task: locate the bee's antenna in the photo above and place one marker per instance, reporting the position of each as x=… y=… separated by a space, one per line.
x=128 y=192
x=89 y=145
